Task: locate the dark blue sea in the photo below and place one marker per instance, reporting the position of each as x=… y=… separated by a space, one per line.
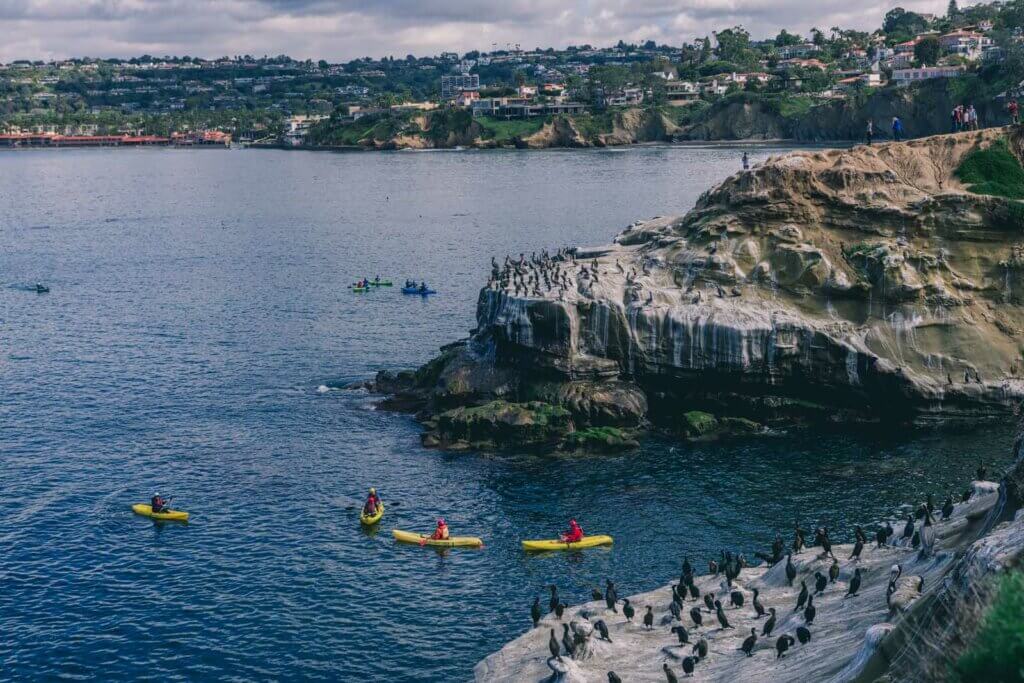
x=194 y=342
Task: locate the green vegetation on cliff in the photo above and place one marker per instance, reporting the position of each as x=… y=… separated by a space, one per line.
x=504 y=131
x=993 y=170
x=998 y=652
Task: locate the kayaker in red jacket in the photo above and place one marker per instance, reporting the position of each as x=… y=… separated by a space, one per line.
x=158 y=504
x=441 y=532
x=372 y=503
x=574 y=534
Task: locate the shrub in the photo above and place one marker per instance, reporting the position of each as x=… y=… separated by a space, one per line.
x=997 y=655
x=993 y=170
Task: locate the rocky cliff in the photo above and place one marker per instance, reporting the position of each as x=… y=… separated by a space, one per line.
x=861 y=285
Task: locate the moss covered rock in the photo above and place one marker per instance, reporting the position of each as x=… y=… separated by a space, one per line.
x=699 y=423
x=600 y=439
x=501 y=424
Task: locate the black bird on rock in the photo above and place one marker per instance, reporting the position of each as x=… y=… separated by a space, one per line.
x=810 y=610
x=649 y=618
x=696 y=616
x=833 y=571
x=596 y=594
x=688 y=665
x=694 y=591
x=720 y=613
x=769 y=625
x=947 y=507
x=687 y=573
x=553 y=602
x=854 y=583
x=681 y=633
x=790 y=569
x=535 y=612
x=567 y=642
x=820 y=582
x=709 y=602
x=981 y=472
x=560 y=610
x=784 y=642
x=669 y=676
x=627 y=609
x=553 y=646
x=858 y=534
x=802 y=598
x=908 y=528
x=701 y=648
x=613 y=677
x=857 y=548
x=749 y=643
x=610 y=596
x=713 y=567
x=677 y=614
x=736 y=599
x=602 y=628
x=803 y=634
x=758 y=607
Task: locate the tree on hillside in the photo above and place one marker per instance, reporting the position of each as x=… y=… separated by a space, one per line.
x=952 y=10
x=817 y=37
x=903 y=23
x=734 y=45
x=705 y=50
x=927 y=50
x=786 y=38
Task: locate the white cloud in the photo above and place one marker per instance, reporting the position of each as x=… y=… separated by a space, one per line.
x=344 y=29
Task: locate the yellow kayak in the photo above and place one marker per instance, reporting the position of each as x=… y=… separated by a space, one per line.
x=453 y=542
x=370 y=520
x=587 y=542
x=146 y=510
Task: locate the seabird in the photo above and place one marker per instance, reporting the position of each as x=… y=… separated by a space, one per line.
x=696 y=616
x=854 y=583
x=709 y=602
x=810 y=610
x=820 y=582
x=721 y=615
x=790 y=569
x=750 y=642
x=803 y=634
x=688 y=665
x=649 y=618
x=681 y=633
x=701 y=648
x=758 y=607
x=553 y=602
x=857 y=548
x=570 y=647
x=736 y=599
x=669 y=676
x=560 y=610
x=553 y=646
x=802 y=598
x=766 y=630
x=833 y=571
x=535 y=611
x=602 y=628
x=613 y=678
x=627 y=609
x=783 y=644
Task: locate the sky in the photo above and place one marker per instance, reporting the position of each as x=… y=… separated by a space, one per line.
x=340 y=30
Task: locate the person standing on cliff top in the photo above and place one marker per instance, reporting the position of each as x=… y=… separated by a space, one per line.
x=869 y=132
x=1014 y=110
x=897 y=129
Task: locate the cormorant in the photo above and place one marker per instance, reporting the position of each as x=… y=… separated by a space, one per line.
x=570 y=647
x=553 y=646
x=602 y=628
x=802 y=598
x=713 y=567
x=553 y=602
x=560 y=610
x=908 y=528
x=736 y=599
x=766 y=630
x=981 y=472
x=810 y=610
x=857 y=548
x=758 y=607
x=790 y=569
x=688 y=665
x=677 y=614
x=721 y=615
x=833 y=571
x=649 y=618
x=947 y=507
x=681 y=633
x=610 y=596
x=535 y=611
x=627 y=609
x=696 y=616
x=782 y=644
x=694 y=591
x=709 y=602
x=820 y=582
x=701 y=648
x=854 y=583
x=613 y=677
x=749 y=643
x=596 y=594
x=803 y=634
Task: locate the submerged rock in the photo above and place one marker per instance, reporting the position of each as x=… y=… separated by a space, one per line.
x=501 y=424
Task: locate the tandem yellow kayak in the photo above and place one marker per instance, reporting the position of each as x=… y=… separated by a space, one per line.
x=370 y=520
x=554 y=544
x=146 y=510
x=453 y=542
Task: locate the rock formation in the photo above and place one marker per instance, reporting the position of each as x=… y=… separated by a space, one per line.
x=843 y=285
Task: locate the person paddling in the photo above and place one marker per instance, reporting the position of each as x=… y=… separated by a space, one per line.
x=373 y=503
x=574 y=534
x=158 y=503
x=440 y=533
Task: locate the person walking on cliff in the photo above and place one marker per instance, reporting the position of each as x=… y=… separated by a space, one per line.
x=897 y=129
x=869 y=132
x=1013 y=109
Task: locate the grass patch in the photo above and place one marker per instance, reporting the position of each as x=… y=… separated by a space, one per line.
x=505 y=131
x=993 y=170
x=997 y=655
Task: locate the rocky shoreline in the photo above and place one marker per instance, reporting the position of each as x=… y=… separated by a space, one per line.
x=834 y=287
x=900 y=608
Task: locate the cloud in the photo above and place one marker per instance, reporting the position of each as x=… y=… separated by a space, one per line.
x=344 y=29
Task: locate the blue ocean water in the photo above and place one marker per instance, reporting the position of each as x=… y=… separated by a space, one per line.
x=194 y=340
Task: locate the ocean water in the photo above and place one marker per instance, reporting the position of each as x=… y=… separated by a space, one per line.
x=194 y=342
